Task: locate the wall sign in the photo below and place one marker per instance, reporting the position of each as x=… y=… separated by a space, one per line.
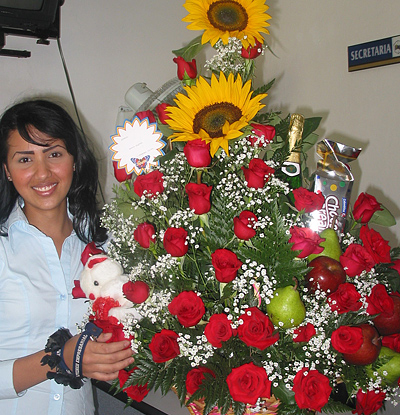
x=372 y=54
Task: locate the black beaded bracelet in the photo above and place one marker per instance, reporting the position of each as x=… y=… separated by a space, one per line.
x=55 y=345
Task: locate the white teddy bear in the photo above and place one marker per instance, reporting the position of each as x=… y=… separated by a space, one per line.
x=103 y=277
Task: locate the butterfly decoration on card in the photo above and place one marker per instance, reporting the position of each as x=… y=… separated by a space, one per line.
x=137 y=145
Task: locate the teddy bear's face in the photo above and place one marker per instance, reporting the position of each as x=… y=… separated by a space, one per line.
x=99 y=272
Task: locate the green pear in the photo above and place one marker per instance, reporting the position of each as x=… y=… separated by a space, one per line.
x=286 y=309
x=391 y=367
x=331 y=245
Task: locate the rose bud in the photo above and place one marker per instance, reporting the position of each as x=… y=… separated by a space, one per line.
x=226 y=265
x=144 y=234
x=137 y=291
x=243 y=225
x=263 y=133
x=364 y=207
x=252 y=51
x=146 y=114
x=120 y=174
x=175 y=242
x=257 y=174
x=218 y=329
x=186 y=70
x=197 y=153
x=195 y=378
x=199 y=197
x=162 y=112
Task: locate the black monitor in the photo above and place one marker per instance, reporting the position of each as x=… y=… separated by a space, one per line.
x=33 y=18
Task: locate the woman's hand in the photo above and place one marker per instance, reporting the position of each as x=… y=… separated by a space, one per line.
x=101 y=360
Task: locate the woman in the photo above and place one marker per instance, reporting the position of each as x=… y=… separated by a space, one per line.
x=48 y=183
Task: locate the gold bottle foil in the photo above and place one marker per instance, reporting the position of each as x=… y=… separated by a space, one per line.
x=334 y=180
x=295 y=134
x=292 y=166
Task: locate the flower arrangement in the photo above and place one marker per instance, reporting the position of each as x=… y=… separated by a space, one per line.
x=249 y=310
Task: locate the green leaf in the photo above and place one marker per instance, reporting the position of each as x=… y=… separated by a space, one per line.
x=383 y=218
x=283 y=394
x=263 y=89
x=310 y=125
x=189 y=51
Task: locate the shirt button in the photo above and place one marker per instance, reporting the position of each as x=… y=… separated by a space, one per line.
x=63 y=297
x=57 y=397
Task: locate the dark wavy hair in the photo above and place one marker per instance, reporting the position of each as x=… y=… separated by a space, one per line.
x=52 y=120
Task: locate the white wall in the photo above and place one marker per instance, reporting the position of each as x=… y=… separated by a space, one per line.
x=110 y=45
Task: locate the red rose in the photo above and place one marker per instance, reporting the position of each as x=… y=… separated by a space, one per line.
x=195 y=377
x=226 y=265
x=146 y=114
x=135 y=392
x=369 y=403
x=175 y=242
x=366 y=205
x=120 y=174
x=186 y=70
x=90 y=250
x=345 y=298
x=375 y=244
x=197 y=153
x=188 y=307
x=144 y=234
x=162 y=112
x=248 y=382
x=164 y=346
x=305 y=240
x=243 y=225
x=392 y=341
x=380 y=302
x=304 y=333
x=151 y=183
x=218 y=330
x=307 y=200
x=136 y=291
x=252 y=51
x=311 y=389
x=257 y=329
x=347 y=339
x=356 y=259
x=199 y=197
x=263 y=134
x=257 y=174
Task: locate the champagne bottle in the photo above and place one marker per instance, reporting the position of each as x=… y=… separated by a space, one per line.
x=291 y=168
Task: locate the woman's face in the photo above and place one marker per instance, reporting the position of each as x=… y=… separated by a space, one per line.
x=41 y=175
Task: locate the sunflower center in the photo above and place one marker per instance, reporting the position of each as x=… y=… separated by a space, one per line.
x=213 y=117
x=227 y=15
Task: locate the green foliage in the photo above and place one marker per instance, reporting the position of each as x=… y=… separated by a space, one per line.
x=191 y=50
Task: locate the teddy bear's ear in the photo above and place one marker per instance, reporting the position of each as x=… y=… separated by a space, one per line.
x=90 y=250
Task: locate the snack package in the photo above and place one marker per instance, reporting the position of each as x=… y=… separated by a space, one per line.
x=334 y=180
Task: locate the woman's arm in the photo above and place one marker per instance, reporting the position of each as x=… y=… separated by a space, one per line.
x=101 y=361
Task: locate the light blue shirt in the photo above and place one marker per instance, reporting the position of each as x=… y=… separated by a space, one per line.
x=35 y=301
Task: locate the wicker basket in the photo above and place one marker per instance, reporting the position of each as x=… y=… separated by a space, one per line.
x=269 y=407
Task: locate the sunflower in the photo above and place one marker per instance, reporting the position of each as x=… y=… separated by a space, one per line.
x=215 y=112
x=222 y=19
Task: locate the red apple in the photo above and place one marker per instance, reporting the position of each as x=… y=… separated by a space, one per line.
x=389 y=325
x=369 y=350
x=326 y=274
